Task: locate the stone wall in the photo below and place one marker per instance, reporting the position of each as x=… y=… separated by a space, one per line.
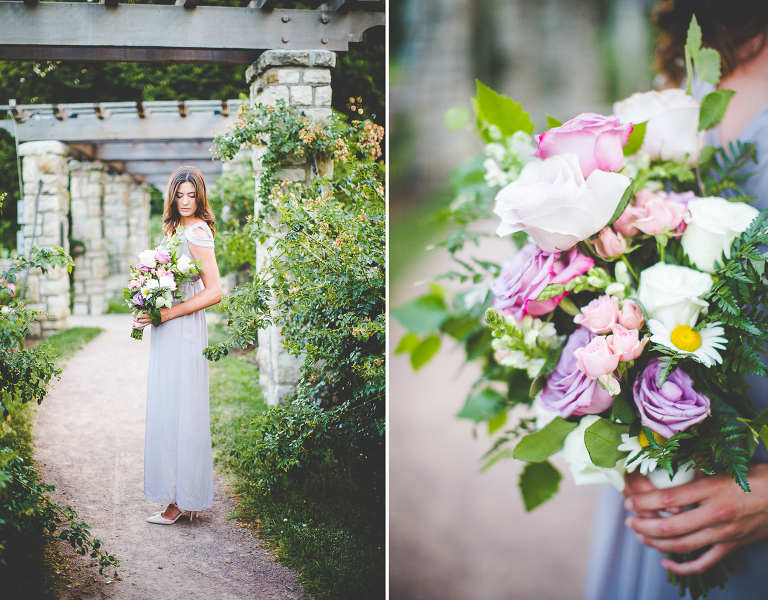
x=303 y=80
x=86 y=188
x=45 y=170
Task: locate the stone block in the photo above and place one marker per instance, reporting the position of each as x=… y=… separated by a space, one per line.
x=322 y=58
x=273 y=93
x=75 y=185
x=291 y=175
x=301 y=95
x=91 y=189
x=29 y=170
x=43 y=147
x=95 y=286
x=286 y=75
x=52 y=164
x=319 y=114
x=80 y=308
x=90 y=227
x=52 y=327
x=323 y=95
x=98 y=304
x=58 y=306
x=316 y=76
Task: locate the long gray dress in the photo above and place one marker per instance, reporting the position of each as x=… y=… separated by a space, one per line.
x=178 y=464
x=623 y=569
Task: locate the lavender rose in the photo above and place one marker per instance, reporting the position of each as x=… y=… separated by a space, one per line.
x=138 y=299
x=597 y=140
x=521 y=281
x=569 y=390
x=674 y=406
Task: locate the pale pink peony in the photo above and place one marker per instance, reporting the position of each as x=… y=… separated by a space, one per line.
x=134 y=284
x=654 y=213
x=521 y=281
x=626 y=343
x=599 y=315
x=161 y=255
x=597 y=358
x=597 y=140
x=610 y=244
x=631 y=316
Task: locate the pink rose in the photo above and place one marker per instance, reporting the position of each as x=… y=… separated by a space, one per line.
x=142 y=267
x=599 y=315
x=521 y=281
x=597 y=358
x=134 y=284
x=569 y=390
x=597 y=140
x=161 y=255
x=610 y=244
x=656 y=214
x=626 y=343
x=12 y=287
x=631 y=316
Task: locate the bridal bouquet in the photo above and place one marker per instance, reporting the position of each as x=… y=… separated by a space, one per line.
x=156 y=278
x=633 y=305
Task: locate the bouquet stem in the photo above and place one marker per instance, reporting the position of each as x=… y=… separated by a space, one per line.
x=137 y=334
x=698 y=586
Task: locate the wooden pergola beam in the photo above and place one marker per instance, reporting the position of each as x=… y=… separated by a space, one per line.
x=150 y=32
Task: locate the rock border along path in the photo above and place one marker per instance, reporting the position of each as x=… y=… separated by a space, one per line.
x=89 y=440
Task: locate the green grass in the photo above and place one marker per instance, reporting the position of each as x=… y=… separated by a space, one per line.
x=326 y=528
x=32 y=559
x=117 y=306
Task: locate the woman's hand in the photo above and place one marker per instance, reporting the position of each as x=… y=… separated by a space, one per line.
x=725 y=517
x=144 y=319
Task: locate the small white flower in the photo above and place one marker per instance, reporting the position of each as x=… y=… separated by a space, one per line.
x=678 y=334
x=633 y=445
x=147 y=258
x=616 y=289
x=5 y=310
x=582 y=468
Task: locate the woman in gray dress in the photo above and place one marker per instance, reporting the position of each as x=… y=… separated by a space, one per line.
x=631 y=539
x=178 y=465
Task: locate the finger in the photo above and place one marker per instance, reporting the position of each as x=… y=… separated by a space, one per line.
x=686 y=543
x=701 y=564
x=682 y=495
x=636 y=483
x=672 y=526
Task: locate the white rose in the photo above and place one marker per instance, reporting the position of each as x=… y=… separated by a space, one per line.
x=582 y=468
x=672 y=288
x=553 y=203
x=5 y=310
x=184 y=264
x=672 y=123
x=147 y=258
x=713 y=225
x=167 y=281
x=150 y=284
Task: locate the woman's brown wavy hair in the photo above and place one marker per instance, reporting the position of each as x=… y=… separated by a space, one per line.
x=171 y=215
x=726 y=26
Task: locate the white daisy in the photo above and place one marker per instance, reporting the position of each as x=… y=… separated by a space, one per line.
x=680 y=336
x=633 y=445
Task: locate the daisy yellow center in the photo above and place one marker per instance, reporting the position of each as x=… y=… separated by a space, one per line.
x=643 y=439
x=685 y=338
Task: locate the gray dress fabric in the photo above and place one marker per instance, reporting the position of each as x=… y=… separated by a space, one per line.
x=623 y=569
x=178 y=464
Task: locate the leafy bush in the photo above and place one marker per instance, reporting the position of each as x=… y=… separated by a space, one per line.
x=325 y=288
x=25 y=375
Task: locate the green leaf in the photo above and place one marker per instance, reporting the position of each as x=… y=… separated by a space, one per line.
x=504 y=454
x=483 y=406
x=497 y=422
x=761 y=419
x=456 y=118
x=538 y=483
x=635 y=139
x=622 y=410
x=426 y=349
x=552 y=122
x=707 y=154
x=623 y=202
x=713 y=108
x=407 y=343
x=602 y=439
x=692 y=45
x=503 y=112
x=423 y=314
x=764 y=435
x=539 y=446
x=708 y=65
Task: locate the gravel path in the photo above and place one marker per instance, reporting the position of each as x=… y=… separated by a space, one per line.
x=90 y=445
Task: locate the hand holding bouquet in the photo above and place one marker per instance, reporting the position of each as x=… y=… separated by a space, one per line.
x=634 y=304
x=156 y=279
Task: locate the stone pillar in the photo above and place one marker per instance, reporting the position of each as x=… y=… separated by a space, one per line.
x=303 y=80
x=116 y=232
x=86 y=188
x=138 y=222
x=46 y=162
